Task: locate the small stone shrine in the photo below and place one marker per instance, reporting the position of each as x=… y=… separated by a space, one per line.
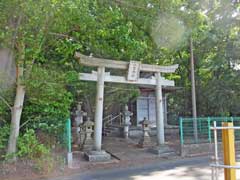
x=87 y=128
x=126 y=121
x=145 y=141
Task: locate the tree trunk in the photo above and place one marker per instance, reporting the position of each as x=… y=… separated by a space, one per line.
x=16 y=112
x=194 y=107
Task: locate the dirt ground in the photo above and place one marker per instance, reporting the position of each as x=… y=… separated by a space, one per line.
x=125 y=153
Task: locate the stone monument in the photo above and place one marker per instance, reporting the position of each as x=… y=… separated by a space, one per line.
x=145 y=140
x=78 y=121
x=126 y=121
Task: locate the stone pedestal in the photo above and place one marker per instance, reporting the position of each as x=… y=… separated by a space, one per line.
x=69 y=160
x=78 y=131
x=97 y=156
x=88 y=145
x=126 y=131
x=145 y=141
x=82 y=135
x=126 y=121
x=162 y=151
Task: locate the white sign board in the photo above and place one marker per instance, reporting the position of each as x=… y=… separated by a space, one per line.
x=133 y=70
x=142 y=110
x=146 y=107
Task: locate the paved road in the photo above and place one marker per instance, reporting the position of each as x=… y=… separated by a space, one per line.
x=186 y=169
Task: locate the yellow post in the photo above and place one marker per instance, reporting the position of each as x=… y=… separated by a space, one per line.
x=229 y=151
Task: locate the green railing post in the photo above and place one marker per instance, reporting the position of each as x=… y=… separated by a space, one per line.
x=200 y=125
x=181 y=130
x=69 y=135
x=232 y=119
x=69 y=142
x=209 y=129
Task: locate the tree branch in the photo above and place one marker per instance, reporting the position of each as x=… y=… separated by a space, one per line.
x=5 y=102
x=63 y=36
x=16 y=31
x=126 y=4
x=25 y=123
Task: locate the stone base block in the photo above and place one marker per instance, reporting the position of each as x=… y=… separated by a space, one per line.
x=162 y=151
x=70 y=159
x=97 y=156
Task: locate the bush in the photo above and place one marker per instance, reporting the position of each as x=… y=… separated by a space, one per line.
x=28 y=146
x=4 y=133
x=47 y=102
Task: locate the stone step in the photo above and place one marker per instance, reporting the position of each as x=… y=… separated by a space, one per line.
x=97 y=156
x=107 y=133
x=107 y=130
x=115 y=126
x=111 y=130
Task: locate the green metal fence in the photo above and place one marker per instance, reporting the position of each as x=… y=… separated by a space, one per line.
x=67 y=137
x=204 y=134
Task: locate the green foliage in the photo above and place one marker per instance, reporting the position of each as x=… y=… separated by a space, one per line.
x=4 y=133
x=120 y=94
x=103 y=31
x=4 y=111
x=28 y=146
x=6 y=97
x=48 y=101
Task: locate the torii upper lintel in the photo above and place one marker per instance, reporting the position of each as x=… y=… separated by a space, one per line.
x=108 y=63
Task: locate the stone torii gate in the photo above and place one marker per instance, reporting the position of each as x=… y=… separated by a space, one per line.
x=133 y=69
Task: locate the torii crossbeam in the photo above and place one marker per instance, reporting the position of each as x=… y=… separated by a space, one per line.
x=133 y=69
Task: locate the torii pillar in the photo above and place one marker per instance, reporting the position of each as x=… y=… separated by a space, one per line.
x=97 y=154
x=99 y=109
x=161 y=149
x=159 y=111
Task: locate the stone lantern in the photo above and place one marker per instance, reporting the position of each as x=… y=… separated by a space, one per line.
x=145 y=140
x=88 y=130
x=78 y=120
x=126 y=121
